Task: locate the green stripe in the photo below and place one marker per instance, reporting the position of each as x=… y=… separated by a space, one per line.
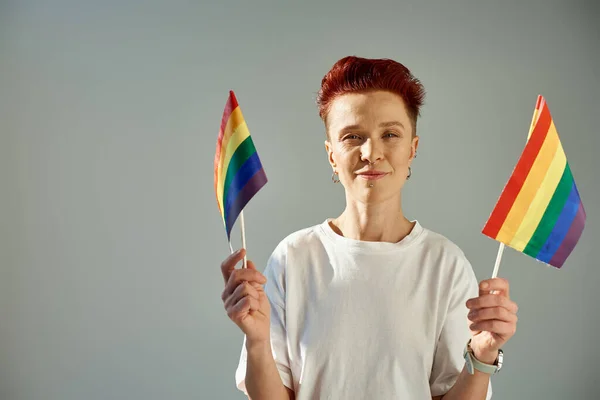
x=557 y=203
x=241 y=154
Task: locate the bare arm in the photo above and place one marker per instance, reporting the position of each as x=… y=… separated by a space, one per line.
x=262 y=377
x=247 y=305
x=468 y=387
x=493 y=321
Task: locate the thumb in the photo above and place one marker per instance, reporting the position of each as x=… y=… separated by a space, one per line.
x=251 y=265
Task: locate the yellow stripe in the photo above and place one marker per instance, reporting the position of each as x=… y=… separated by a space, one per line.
x=534 y=119
x=530 y=187
x=542 y=197
x=235 y=119
x=240 y=134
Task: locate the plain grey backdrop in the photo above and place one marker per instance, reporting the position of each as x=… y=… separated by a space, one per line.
x=110 y=236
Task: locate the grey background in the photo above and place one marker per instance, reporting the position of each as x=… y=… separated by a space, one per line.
x=110 y=237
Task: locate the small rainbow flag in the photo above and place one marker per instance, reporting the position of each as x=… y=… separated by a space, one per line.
x=540 y=212
x=239 y=174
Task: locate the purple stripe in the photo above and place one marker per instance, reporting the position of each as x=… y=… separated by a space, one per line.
x=570 y=240
x=254 y=184
x=244 y=173
x=561 y=227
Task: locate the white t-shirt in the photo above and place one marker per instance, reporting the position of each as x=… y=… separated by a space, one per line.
x=353 y=319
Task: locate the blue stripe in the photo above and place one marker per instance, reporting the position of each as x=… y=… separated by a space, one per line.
x=561 y=228
x=257 y=181
x=246 y=171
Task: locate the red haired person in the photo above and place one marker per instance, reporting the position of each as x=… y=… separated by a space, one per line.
x=369 y=304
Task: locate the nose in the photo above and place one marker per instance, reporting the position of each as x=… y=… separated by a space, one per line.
x=371 y=151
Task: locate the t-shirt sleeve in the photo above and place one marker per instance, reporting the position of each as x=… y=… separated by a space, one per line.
x=275 y=291
x=448 y=358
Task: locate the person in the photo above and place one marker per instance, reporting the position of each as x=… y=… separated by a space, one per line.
x=370 y=304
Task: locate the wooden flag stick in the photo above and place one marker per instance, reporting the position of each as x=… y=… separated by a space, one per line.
x=243 y=226
x=498 y=259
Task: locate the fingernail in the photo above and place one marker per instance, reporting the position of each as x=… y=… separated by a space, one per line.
x=485 y=285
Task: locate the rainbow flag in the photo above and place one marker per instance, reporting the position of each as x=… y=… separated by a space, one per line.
x=239 y=174
x=540 y=212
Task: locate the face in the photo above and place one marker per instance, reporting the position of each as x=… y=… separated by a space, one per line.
x=370 y=144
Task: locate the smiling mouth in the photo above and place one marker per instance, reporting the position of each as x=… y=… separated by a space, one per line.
x=372 y=176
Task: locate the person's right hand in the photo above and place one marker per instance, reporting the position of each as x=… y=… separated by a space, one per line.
x=244 y=298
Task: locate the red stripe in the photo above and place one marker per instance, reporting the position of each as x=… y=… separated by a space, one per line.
x=517 y=179
x=231 y=105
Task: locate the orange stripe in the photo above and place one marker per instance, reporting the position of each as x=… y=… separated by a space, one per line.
x=520 y=172
x=235 y=120
x=230 y=105
x=530 y=186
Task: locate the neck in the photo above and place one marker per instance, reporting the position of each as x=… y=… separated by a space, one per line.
x=379 y=222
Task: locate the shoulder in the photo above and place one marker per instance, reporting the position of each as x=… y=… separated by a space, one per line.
x=276 y=270
x=301 y=238
x=448 y=256
x=438 y=243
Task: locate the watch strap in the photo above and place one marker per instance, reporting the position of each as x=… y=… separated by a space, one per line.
x=473 y=363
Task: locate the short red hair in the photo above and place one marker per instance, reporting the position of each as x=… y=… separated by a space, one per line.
x=358 y=75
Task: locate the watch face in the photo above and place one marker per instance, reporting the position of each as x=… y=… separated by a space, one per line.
x=500 y=359
x=469 y=364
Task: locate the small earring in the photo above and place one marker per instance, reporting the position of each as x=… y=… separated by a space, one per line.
x=335 y=177
x=409 y=173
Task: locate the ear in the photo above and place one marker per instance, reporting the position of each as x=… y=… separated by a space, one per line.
x=329 y=150
x=414 y=146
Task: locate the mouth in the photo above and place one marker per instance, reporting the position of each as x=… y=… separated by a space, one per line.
x=372 y=175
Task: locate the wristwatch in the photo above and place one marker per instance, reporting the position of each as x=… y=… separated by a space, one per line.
x=473 y=363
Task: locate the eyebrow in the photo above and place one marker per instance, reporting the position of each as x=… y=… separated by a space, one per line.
x=391 y=123
x=381 y=125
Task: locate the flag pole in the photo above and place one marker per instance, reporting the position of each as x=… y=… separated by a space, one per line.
x=498 y=259
x=244 y=265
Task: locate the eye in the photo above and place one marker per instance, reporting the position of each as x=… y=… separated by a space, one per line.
x=390 y=134
x=351 y=137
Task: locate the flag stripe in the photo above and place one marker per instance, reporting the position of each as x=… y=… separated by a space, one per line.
x=571 y=239
x=539 y=105
x=540 y=212
x=238 y=174
x=252 y=186
x=235 y=131
x=229 y=107
x=243 y=152
x=241 y=133
x=244 y=174
x=540 y=202
x=530 y=188
x=513 y=187
x=551 y=214
x=561 y=228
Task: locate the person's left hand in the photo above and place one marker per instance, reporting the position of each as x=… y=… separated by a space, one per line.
x=492 y=319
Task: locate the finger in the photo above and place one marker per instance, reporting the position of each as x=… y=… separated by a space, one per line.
x=492 y=300
x=251 y=265
x=240 y=275
x=494 y=285
x=243 y=289
x=228 y=265
x=498 y=313
x=257 y=286
x=494 y=326
x=238 y=309
x=244 y=306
